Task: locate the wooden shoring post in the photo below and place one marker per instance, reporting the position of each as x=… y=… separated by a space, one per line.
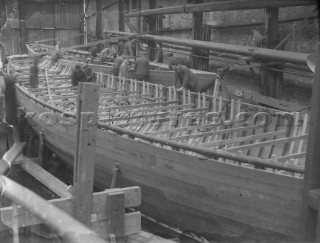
x=271 y=80
x=115 y=174
x=41 y=147
x=2 y=106
x=116 y=213
x=22 y=23
x=310 y=217
x=83 y=175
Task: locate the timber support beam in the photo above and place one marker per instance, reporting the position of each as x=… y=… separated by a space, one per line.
x=270 y=84
x=310 y=223
x=222 y=6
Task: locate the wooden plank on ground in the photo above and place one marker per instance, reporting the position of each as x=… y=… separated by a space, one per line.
x=50 y=181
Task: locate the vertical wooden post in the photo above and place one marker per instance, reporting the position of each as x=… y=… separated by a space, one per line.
x=198 y=34
x=152 y=29
x=123 y=9
x=116 y=213
x=271 y=80
x=87 y=110
x=81 y=14
x=98 y=20
x=41 y=148
x=23 y=31
x=310 y=218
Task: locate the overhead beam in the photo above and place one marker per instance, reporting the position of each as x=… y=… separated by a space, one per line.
x=257 y=53
x=222 y=6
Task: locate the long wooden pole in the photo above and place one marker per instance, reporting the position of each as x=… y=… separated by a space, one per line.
x=258 y=53
x=222 y=6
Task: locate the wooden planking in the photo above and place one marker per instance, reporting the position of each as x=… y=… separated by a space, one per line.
x=291 y=156
x=218 y=132
x=235 y=179
x=267 y=143
x=242 y=139
x=50 y=181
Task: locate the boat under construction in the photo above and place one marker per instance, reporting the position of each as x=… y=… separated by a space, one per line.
x=225 y=165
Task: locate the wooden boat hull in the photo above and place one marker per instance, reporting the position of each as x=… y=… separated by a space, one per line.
x=196 y=194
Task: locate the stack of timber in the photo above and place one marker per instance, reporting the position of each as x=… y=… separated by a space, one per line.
x=206 y=164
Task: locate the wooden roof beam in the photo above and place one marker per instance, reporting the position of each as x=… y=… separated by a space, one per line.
x=222 y=6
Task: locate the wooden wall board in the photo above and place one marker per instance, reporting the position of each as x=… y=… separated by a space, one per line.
x=67 y=15
x=67 y=37
x=40 y=15
x=33 y=35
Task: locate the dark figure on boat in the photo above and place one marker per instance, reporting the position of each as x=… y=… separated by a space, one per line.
x=142 y=68
x=185 y=78
x=124 y=69
x=159 y=53
x=78 y=75
x=7 y=86
x=91 y=76
x=116 y=66
x=3 y=58
x=107 y=55
x=56 y=56
x=34 y=72
x=123 y=48
x=95 y=50
x=133 y=48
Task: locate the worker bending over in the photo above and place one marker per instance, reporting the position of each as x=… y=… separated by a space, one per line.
x=142 y=68
x=34 y=72
x=124 y=69
x=185 y=78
